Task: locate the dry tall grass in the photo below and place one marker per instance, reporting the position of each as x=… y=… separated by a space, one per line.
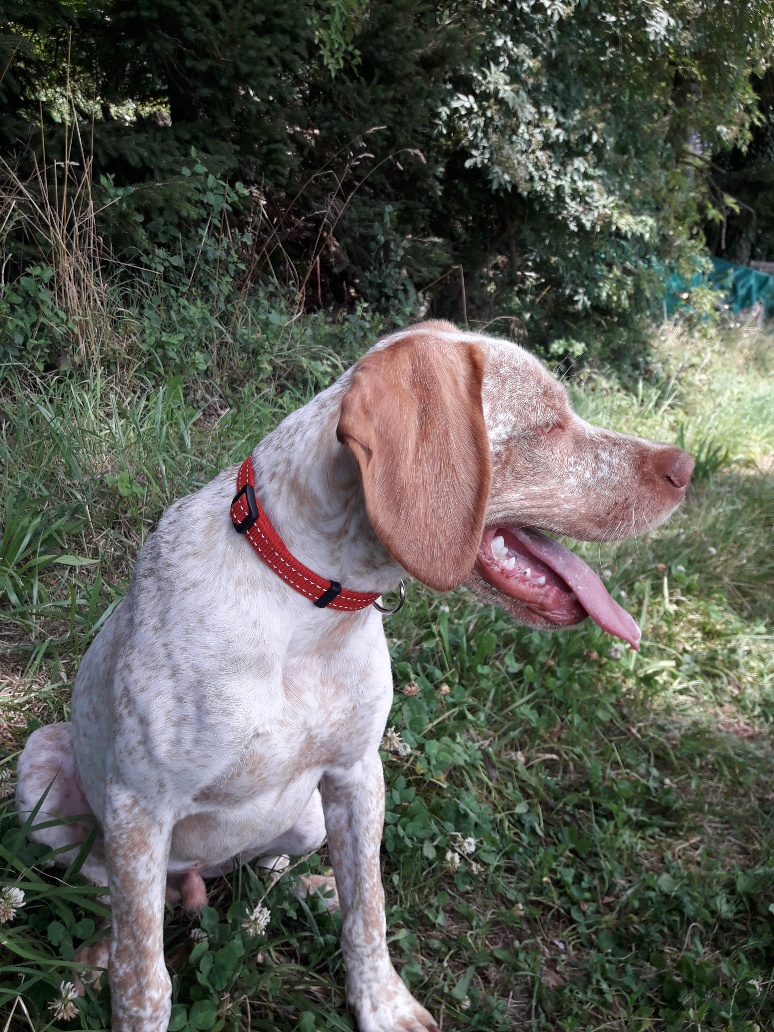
x=53 y=209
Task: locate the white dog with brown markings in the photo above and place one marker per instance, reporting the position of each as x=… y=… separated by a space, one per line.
x=234 y=702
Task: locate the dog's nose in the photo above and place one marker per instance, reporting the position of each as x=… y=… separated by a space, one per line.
x=676 y=466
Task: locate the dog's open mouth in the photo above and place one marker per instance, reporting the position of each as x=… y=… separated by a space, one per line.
x=550 y=580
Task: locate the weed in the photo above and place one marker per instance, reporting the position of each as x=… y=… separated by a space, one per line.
x=709 y=456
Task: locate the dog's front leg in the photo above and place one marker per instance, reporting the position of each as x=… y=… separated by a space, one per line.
x=353 y=802
x=137 y=846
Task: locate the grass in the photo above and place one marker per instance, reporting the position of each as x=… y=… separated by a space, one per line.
x=579 y=838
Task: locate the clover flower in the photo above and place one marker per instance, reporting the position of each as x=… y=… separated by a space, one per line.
x=11 y=899
x=257 y=921
x=393 y=743
x=462 y=847
x=468 y=846
x=64 y=1005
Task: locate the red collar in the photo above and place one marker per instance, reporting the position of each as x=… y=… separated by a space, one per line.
x=249 y=519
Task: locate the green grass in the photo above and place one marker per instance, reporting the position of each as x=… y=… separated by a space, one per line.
x=620 y=804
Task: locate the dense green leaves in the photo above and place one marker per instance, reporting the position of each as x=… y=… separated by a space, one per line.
x=543 y=161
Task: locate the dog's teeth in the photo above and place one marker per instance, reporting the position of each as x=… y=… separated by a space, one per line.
x=528 y=572
x=541 y=581
x=498 y=547
x=509 y=564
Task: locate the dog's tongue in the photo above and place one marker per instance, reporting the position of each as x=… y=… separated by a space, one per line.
x=587 y=585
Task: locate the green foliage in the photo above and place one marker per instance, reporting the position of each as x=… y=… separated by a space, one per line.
x=741 y=227
x=559 y=153
x=31 y=543
x=710 y=456
x=186 y=256
x=58 y=914
x=34 y=328
x=336 y=24
x=35 y=40
x=578 y=118
x=169 y=301
x=225 y=77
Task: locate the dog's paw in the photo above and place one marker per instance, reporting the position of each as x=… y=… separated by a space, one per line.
x=386 y=1005
x=322 y=885
x=93 y=962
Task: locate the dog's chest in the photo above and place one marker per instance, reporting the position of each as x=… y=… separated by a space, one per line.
x=322 y=722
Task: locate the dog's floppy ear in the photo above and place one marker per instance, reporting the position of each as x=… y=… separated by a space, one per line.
x=413 y=419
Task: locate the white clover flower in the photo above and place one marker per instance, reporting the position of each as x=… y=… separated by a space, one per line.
x=64 y=1005
x=11 y=899
x=257 y=920
x=198 y=935
x=452 y=859
x=393 y=743
x=464 y=846
x=6 y=785
x=615 y=652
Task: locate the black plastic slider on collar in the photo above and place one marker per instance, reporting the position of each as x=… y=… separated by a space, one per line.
x=252 y=509
x=328 y=596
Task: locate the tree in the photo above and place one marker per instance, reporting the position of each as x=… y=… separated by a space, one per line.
x=580 y=121
x=557 y=152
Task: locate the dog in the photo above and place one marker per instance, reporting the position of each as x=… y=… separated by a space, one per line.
x=233 y=704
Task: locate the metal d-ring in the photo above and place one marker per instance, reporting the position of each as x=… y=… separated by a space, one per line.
x=401 y=600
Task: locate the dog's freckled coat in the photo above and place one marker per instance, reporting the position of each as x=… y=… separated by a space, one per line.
x=219 y=714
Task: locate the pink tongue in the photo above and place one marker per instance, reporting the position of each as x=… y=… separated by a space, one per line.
x=592 y=593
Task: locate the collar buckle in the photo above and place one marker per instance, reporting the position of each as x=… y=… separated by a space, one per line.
x=329 y=594
x=243 y=523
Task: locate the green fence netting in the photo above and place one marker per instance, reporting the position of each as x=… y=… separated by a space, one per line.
x=741 y=286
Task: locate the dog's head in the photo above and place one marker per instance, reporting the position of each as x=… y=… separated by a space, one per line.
x=469 y=451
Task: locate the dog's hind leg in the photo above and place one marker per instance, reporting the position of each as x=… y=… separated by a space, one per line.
x=50 y=796
x=305 y=836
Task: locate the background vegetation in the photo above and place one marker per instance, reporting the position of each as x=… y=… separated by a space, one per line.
x=206 y=213
x=542 y=163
